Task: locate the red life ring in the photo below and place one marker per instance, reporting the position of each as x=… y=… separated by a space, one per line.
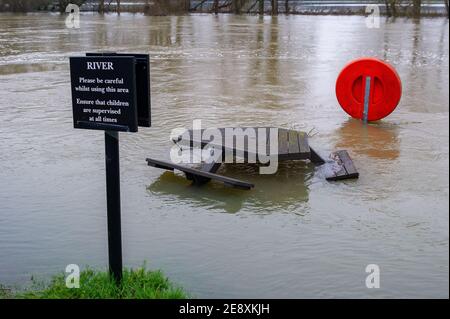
x=368 y=89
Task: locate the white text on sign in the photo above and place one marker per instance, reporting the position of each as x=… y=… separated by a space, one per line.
x=100 y=66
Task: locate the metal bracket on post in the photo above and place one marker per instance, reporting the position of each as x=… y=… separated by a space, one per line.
x=113 y=204
x=366 y=100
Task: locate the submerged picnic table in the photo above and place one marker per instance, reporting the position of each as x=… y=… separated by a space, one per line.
x=292 y=145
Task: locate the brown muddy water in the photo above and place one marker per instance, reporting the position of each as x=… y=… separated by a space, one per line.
x=294 y=235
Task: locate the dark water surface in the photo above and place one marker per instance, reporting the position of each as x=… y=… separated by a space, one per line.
x=294 y=235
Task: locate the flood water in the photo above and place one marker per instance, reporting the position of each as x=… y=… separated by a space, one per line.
x=295 y=235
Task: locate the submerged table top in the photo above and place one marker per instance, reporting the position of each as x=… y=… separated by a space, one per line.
x=284 y=143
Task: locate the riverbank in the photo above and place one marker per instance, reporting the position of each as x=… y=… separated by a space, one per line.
x=327 y=7
x=429 y=8
x=136 y=284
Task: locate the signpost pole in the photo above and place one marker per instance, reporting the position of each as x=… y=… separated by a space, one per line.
x=113 y=204
x=99 y=104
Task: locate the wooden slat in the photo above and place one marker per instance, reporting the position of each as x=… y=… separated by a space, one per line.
x=193 y=173
x=159 y=165
x=282 y=142
x=303 y=142
x=339 y=175
x=293 y=142
x=347 y=162
x=348 y=170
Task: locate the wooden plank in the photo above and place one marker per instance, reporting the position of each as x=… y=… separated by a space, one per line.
x=348 y=169
x=159 y=165
x=339 y=176
x=282 y=142
x=195 y=173
x=303 y=142
x=347 y=162
x=293 y=142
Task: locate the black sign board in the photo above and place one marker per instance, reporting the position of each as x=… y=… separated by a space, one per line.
x=110 y=91
x=142 y=73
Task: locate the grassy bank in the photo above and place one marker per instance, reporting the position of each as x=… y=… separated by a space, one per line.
x=136 y=284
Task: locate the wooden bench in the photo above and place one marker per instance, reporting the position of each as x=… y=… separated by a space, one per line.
x=201 y=176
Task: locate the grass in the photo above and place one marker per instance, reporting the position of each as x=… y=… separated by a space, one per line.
x=136 y=284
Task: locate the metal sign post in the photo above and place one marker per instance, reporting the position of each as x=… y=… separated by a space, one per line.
x=113 y=204
x=111 y=92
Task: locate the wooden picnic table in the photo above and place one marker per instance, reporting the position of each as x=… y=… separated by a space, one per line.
x=292 y=145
